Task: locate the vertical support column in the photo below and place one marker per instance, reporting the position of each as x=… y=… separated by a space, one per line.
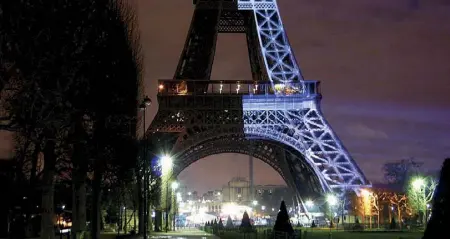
x=256 y=62
x=279 y=59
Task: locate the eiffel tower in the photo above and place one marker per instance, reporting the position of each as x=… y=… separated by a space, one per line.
x=275 y=116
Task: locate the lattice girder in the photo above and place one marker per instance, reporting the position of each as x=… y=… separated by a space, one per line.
x=300 y=126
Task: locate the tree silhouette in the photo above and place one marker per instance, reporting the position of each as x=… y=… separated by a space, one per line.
x=229 y=223
x=398 y=173
x=246 y=225
x=440 y=217
x=221 y=224
x=283 y=223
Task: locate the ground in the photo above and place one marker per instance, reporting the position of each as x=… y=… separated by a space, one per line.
x=312 y=234
x=323 y=234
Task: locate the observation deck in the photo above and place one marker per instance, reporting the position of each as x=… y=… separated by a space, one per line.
x=237 y=88
x=236 y=95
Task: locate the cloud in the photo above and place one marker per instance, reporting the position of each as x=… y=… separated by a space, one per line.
x=362 y=131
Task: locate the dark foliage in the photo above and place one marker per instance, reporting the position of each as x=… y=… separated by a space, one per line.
x=440 y=216
x=398 y=173
x=114 y=71
x=313 y=224
x=69 y=65
x=393 y=224
x=358 y=226
x=283 y=223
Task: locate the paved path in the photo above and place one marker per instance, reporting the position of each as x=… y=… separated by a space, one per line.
x=184 y=234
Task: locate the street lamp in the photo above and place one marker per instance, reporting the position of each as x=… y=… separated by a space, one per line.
x=61 y=221
x=143 y=107
x=309 y=204
x=166 y=163
x=255 y=203
x=332 y=201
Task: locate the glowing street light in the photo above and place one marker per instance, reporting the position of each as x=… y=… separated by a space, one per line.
x=175 y=185
x=309 y=203
x=418 y=183
x=332 y=200
x=255 y=203
x=166 y=164
x=366 y=193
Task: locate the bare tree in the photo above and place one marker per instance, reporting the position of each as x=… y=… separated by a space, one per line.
x=420 y=194
x=398 y=203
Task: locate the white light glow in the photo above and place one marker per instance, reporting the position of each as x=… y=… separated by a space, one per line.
x=332 y=200
x=166 y=164
x=175 y=185
x=418 y=183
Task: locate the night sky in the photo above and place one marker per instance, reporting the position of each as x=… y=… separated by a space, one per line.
x=384 y=67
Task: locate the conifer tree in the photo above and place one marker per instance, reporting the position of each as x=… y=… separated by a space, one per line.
x=282 y=223
x=229 y=224
x=220 y=224
x=440 y=215
x=245 y=223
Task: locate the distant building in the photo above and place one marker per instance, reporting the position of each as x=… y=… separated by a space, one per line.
x=266 y=197
x=237 y=190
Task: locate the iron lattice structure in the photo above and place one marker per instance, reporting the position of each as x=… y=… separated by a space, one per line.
x=275 y=117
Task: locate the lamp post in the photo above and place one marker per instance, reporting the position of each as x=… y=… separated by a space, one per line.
x=419 y=187
x=174 y=202
x=174 y=186
x=143 y=107
x=332 y=201
x=60 y=221
x=166 y=163
x=310 y=204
